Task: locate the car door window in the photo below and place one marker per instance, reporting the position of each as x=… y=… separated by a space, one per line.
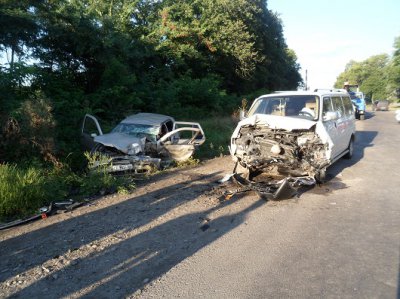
x=348 y=107
x=338 y=105
x=327 y=105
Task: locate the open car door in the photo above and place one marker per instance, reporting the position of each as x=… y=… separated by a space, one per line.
x=90 y=129
x=181 y=142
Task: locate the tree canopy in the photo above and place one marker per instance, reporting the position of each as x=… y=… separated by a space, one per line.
x=378 y=76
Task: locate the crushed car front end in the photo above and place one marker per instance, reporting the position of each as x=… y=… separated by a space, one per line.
x=263 y=147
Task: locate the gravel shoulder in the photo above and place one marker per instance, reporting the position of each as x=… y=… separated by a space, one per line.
x=116 y=245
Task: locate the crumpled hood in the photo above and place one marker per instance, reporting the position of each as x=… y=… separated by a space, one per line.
x=276 y=122
x=122 y=142
x=285 y=123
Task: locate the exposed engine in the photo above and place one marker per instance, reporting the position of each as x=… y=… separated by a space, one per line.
x=280 y=153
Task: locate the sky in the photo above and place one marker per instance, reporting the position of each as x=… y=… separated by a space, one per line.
x=326 y=35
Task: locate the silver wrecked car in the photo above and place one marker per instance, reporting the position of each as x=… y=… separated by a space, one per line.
x=294 y=134
x=142 y=141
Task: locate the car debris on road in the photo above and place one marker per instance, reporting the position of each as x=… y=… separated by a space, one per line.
x=270 y=189
x=44 y=212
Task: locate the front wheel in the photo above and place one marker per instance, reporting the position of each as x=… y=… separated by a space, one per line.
x=350 y=149
x=320 y=176
x=362 y=116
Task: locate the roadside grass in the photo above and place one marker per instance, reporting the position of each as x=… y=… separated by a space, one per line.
x=24 y=190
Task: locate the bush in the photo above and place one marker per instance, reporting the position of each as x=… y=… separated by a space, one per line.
x=218 y=131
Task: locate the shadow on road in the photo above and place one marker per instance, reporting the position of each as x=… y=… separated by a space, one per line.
x=368 y=115
x=364 y=139
x=139 y=252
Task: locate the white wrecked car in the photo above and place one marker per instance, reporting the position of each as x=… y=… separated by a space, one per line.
x=142 y=141
x=294 y=134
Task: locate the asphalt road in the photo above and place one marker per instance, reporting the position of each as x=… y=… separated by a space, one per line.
x=339 y=240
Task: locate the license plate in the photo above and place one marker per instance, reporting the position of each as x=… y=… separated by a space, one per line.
x=121 y=167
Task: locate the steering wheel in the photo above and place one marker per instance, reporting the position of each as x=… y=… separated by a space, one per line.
x=306 y=114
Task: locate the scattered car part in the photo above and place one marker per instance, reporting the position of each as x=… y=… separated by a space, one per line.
x=43 y=212
x=270 y=189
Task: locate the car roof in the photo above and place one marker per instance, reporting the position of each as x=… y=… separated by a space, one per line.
x=152 y=119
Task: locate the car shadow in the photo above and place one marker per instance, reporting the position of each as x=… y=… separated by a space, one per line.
x=364 y=139
x=137 y=253
x=369 y=115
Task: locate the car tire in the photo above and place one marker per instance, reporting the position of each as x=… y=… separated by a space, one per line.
x=350 y=149
x=362 y=116
x=320 y=176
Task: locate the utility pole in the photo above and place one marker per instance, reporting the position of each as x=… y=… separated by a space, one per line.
x=306 y=87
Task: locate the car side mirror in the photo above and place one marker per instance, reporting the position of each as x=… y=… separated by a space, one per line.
x=93 y=135
x=330 y=115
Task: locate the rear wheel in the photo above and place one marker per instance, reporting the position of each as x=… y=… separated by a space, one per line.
x=350 y=149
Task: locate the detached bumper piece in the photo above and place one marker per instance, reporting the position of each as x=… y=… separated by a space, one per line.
x=44 y=212
x=273 y=190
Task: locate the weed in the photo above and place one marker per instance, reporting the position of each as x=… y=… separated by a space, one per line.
x=218 y=132
x=21 y=191
x=190 y=162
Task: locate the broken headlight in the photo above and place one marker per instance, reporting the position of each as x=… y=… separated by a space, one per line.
x=134 y=149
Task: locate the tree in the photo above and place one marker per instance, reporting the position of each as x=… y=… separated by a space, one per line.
x=240 y=40
x=394 y=72
x=18 y=29
x=370 y=75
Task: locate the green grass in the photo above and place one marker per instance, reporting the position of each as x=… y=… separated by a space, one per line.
x=24 y=190
x=218 y=132
x=20 y=190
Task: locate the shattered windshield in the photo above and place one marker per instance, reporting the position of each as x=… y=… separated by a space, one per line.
x=137 y=130
x=302 y=106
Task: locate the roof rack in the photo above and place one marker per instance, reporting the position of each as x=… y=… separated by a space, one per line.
x=280 y=91
x=330 y=89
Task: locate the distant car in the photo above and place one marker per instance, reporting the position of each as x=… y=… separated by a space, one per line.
x=141 y=141
x=382 y=105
